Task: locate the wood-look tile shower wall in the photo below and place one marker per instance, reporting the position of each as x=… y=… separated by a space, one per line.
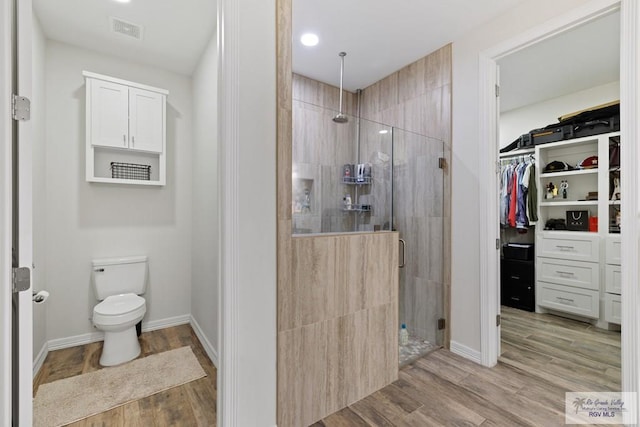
x=417 y=99
x=320 y=149
x=337 y=335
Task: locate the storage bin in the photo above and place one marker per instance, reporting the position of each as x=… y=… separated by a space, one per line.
x=518 y=251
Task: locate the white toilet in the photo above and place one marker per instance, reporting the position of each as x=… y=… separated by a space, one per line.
x=118 y=283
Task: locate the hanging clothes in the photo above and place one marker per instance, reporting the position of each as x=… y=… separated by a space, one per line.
x=518 y=194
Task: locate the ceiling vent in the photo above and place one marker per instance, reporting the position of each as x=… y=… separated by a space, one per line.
x=127 y=28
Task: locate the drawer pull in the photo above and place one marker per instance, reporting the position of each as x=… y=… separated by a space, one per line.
x=565 y=248
x=565 y=300
x=515 y=277
x=564 y=273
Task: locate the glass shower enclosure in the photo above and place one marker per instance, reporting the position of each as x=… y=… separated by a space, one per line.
x=402 y=191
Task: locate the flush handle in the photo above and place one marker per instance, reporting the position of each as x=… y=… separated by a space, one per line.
x=99 y=270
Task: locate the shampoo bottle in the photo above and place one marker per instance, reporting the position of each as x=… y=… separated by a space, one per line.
x=404 y=335
x=347 y=202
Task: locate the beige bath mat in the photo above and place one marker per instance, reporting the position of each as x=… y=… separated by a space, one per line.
x=72 y=399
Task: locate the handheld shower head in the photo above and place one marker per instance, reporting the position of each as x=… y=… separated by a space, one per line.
x=341 y=117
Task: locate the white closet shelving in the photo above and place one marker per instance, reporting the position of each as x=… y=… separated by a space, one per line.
x=575 y=269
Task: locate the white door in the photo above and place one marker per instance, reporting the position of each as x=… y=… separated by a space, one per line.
x=146 y=127
x=109 y=115
x=15 y=215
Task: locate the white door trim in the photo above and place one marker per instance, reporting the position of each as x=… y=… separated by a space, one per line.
x=489 y=259
x=227 y=30
x=5 y=214
x=630 y=131
x=25 y=202
x=490 y=278
x=247 y=163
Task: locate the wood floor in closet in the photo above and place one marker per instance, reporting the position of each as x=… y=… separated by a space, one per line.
x=191 y=404
x=543 y=356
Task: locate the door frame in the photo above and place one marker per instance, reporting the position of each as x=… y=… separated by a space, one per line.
x=630 y=131
x=25 y=222
x=5 y=215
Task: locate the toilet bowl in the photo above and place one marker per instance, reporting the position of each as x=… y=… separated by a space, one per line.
x=117 y=316
x=118 y=284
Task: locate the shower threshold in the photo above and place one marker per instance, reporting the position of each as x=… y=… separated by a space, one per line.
x=415 y=349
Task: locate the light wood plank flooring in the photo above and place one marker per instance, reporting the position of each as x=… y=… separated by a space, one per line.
x=192 y=404
x=543 y=357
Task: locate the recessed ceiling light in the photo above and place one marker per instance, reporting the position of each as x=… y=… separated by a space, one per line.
x=309 y=39
x=383 y=131
x=123 y=1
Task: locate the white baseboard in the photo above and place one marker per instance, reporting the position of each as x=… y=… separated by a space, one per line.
x=60 y=343
x=39 y=360
x=83 y=339
x=466 y=352
x=208 y=347
x=154 y=325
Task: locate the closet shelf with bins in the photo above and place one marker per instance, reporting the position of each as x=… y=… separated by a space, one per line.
x=125 y=131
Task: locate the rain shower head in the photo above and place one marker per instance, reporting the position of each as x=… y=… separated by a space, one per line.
x=341 y=117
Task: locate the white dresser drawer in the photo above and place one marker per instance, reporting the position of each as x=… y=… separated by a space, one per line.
x=613 y=249
x=613 y=279
x=612 y=308
x=579 y=247
x=571 y=273
x=582 y=302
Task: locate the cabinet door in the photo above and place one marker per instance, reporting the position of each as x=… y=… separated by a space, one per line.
x=109 y=118
x=146 y=120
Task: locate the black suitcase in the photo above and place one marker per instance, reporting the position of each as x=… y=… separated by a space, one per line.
x=596 y=127
x=552 y=133
x=523 y=141
x=594 y=122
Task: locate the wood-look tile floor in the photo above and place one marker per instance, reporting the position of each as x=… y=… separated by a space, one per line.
x=191 y=404
x=543 y=357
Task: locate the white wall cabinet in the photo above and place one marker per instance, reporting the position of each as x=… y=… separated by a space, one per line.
x=126 y=127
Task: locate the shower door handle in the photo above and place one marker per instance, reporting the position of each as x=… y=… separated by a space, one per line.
x=404 y=251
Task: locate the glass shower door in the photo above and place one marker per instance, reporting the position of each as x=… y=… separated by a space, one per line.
x=418 y=215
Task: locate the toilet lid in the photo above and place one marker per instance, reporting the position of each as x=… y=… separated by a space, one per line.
x=119 y=304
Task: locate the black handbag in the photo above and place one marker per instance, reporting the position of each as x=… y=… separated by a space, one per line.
x=614 y=155
x=578 y=220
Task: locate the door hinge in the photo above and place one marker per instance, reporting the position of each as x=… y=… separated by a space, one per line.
x=497 y=91
x=21 y=278
x=498 y=320
x=442 y=163
x=20 y=108
x=497 y=243
x=442 y=323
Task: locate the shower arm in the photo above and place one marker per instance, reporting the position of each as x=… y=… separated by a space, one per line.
x=342 y=55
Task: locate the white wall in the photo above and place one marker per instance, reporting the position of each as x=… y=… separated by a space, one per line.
x=39 y=273
x=465 y=289
x=204 y=252
x=86 y=221
x=514 y=123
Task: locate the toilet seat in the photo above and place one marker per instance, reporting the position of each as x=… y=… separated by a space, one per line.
x=119 y=309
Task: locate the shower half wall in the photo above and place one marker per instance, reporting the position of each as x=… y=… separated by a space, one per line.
x=406 y=193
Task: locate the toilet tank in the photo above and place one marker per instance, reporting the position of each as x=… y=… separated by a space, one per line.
x=113 y=276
